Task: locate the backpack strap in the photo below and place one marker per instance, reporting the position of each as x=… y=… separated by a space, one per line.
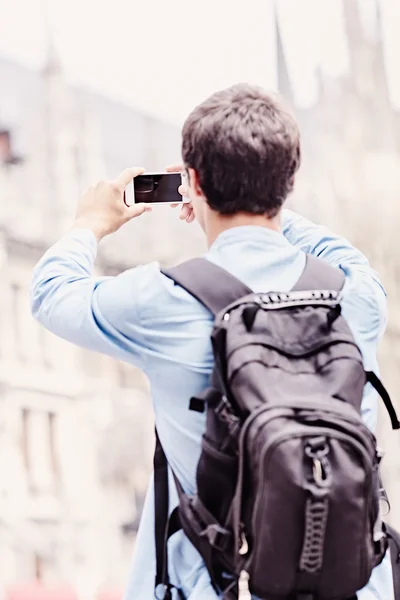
x=165 y=524
x=319 y=275
x=161 y=509
x=394 y=546
x=216 y=288
x=377 y=384
x=210 y=284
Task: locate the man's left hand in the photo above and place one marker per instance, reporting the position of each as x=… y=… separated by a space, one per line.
x=102 y=208
x=187 y=212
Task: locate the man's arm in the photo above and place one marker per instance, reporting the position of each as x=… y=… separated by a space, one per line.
x=364 y=304
x=320 y=241
x=97 y=313
x=364 y=281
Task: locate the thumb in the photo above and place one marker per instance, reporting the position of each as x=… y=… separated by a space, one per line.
x=138 y=209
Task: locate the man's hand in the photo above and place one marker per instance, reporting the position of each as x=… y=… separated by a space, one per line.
x=102 y=208
x=187 y=213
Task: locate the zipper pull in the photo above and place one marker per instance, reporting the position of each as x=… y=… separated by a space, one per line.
x=379 y=454
x=244 y=548
x=243 y=586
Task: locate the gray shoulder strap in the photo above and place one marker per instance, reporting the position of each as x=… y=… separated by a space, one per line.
x=319 y=275
x=215 y=288
x=211 y=285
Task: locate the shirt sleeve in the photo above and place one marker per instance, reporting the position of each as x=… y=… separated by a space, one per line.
x=97 y=313
x=364 y=299
x=320 y=241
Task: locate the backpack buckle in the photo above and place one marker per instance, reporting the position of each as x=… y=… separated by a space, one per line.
x=224 y=412
x=163 y=591
x=216 y=535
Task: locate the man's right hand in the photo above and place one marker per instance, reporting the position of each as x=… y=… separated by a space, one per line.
x=187 y=212
x=102 y=208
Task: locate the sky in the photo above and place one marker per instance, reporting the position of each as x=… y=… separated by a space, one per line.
x=165 y=56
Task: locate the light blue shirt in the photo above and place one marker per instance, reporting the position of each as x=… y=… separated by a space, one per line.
x=142 y=318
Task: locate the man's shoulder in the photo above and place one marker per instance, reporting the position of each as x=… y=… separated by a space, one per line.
x=157 y=295
x=364 y=301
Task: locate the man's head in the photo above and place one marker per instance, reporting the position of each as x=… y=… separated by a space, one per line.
x=241 y=148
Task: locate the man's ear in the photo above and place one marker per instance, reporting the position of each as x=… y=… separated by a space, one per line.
x=194 y=182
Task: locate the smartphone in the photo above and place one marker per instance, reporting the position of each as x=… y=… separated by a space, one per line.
x=157 y=188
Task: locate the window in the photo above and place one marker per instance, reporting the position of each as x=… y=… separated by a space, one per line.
x=25 y=446
x=38 y=564
x=32 y=343
x=39 y=448
x=123 y=376
x=44 y=347
x=128 y=376
x=17 y=316
x=53 y=446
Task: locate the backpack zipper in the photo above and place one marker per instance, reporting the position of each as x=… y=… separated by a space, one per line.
x=312 y=406
x=239 y=533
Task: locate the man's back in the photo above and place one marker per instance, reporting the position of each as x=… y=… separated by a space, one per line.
x=142 y=318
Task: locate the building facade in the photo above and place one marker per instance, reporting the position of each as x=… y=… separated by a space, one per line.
x=76 y=431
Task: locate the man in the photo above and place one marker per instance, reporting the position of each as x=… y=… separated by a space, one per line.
x=241 y=152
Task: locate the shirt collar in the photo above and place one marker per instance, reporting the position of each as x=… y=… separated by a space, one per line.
x=251 y=234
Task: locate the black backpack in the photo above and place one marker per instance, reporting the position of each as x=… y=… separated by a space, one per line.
x=288 y=489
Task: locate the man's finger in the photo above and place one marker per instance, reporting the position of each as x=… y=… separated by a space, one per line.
x=127 y=175
x=182 y=191
x=138 y=209
x=185 y=212
x=174 y=168
x=191 y=217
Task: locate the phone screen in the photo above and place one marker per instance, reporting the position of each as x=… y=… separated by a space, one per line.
x=161 y=187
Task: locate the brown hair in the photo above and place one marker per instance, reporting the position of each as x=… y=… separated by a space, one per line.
x=245 y=147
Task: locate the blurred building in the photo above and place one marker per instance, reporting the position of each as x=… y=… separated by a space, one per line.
x=76 y=433
x=350 y=180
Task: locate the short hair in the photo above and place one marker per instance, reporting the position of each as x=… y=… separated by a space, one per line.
x=245 y=147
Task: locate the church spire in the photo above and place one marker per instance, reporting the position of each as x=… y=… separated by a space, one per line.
x=59 y=131
x=52 y=63
x=284 y=83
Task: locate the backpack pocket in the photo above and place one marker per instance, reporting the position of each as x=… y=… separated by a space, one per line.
x=216 y=480
x=308 y=506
